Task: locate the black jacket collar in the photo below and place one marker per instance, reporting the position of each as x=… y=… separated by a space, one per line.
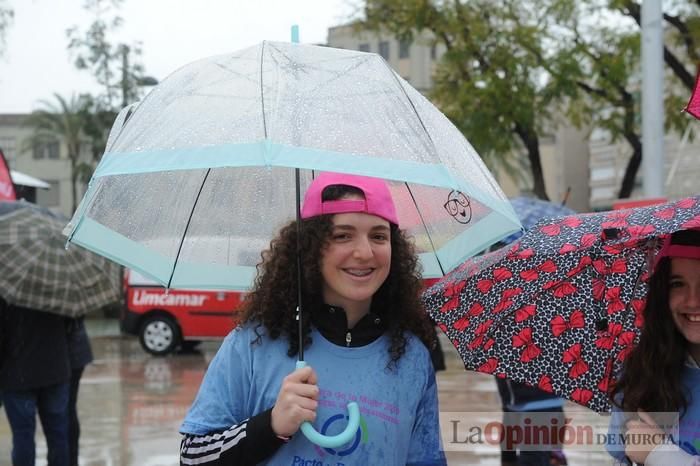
x=332 y=322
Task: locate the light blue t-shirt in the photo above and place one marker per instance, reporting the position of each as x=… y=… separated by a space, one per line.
x=399 y=410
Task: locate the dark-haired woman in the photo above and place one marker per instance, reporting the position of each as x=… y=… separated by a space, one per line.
x=365 y=341
x=662 y=375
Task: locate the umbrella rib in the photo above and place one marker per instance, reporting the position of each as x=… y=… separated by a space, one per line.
x=126 y=120
x=427 y=233
x=356 y=63
x=231 y=72
x=415 y=111
x=189 y=220
x=638 y=281
x=335 y=75
x=31 y=260
x=262 y=94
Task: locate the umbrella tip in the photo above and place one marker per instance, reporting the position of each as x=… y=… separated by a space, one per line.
x=295 y=33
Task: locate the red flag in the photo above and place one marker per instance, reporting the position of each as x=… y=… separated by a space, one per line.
x=693 y=106
x=7 y=189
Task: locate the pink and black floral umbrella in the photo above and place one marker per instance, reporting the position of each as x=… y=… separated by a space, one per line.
x=561 y=308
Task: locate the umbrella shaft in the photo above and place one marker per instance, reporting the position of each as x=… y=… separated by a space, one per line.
x=299 y=305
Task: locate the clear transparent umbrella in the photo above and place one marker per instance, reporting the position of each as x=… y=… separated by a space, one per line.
x=197 y=178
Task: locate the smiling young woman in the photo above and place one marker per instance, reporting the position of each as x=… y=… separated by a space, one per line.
x=366 y=340
x=355 y=262
x=662 y=375
x=684 y=300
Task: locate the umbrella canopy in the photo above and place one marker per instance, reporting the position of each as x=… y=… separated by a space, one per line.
x=38 y=272
x=198 y=177
x=531 y=210
x=561 y=308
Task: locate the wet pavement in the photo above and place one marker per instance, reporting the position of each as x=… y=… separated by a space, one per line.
x=131 y=404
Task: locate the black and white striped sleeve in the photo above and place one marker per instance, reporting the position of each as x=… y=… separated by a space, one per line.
x=247 y=443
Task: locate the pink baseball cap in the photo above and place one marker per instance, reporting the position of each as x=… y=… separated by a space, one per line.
x=377 y=199
x=681 y=247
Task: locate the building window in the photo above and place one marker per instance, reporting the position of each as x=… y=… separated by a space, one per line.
x=364 y=47
x=8 y=145
x=384 y=50
x=433 y=52
x=602 y=173
x=46 y=150
x=404 y=49
x=603 y=193
x=49 y=197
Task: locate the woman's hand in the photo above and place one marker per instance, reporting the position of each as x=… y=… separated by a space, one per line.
x=648 y=432
x=296 y=402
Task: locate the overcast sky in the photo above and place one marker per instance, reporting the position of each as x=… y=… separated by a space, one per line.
x=173 y=32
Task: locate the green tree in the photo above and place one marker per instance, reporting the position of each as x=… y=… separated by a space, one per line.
x=597 y=60
x=612 y=99
x=64 y=120
x=511 y=67
x=491 y=87
x=6 y=16
x=681 y=35
x=97 y=121
x=115 y=65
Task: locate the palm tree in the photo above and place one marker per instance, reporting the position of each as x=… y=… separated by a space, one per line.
x=64 y=120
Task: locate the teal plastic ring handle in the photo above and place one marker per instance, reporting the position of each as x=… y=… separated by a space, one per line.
x=333 y=441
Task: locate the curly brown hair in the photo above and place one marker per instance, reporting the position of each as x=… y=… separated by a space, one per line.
x=272 y=302
x=651 y=378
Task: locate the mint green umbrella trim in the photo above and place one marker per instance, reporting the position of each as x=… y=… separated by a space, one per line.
x=79 y=213
x=430 y=268
x=97 y=238
x=120 y=249
x=398 y=170
x=213 y=276
x=184 y=158
x=266 y=153
x=270 y=154
x=464 y=246
x=476 y=239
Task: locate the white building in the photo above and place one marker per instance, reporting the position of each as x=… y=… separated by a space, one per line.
x=609 y=161
x=49 y=162
x=413 y=61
